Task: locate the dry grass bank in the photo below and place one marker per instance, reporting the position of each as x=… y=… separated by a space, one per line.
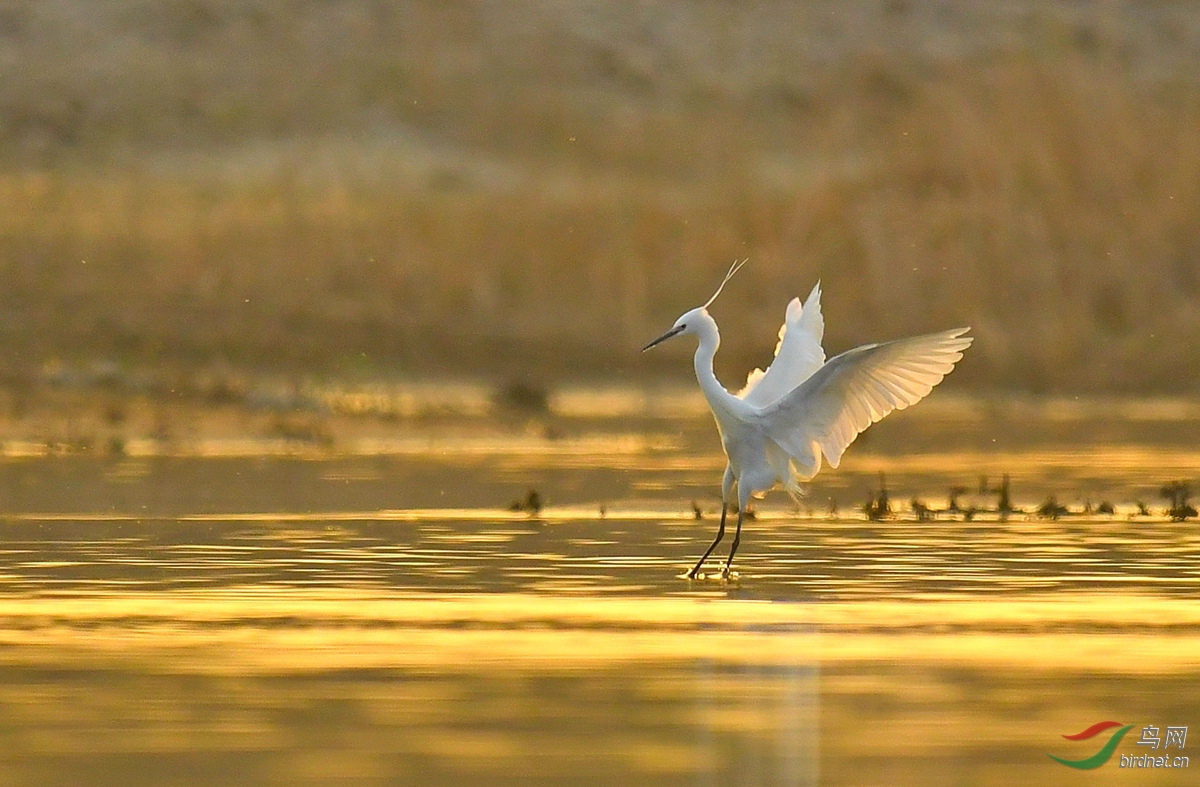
x=408 y=187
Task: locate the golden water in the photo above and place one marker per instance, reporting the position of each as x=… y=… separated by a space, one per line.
x=241 y=612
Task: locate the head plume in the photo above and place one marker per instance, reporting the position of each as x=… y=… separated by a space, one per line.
x=734 y=268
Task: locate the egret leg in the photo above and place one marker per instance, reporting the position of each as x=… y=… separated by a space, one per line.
x=720 y=534
x=737 y=538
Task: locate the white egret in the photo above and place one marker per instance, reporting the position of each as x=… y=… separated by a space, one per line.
x=775 y=430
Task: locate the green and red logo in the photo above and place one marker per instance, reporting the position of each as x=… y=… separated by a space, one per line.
x=1106 y=751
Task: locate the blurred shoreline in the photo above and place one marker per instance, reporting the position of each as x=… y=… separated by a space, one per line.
x=460 y=445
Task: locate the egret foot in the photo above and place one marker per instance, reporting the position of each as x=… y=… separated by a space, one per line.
x=712 y=576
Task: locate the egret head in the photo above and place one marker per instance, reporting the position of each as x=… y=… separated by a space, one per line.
x=689 y=322
x=692 y=321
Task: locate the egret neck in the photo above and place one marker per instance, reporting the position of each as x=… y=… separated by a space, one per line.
x=721 y=401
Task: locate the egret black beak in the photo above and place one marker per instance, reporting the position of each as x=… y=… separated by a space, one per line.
x=676 y=330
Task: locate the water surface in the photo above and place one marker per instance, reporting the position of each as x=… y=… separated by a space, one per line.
x=240 y=611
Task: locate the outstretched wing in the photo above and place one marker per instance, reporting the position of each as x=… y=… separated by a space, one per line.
x=854 y=390
x=797 y=355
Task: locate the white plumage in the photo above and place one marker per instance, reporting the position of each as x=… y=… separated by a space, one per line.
x=797 y=355
x=776 y=430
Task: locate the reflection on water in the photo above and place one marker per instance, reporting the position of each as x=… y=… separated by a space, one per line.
x=394 y=650
x=378 y=618
x=791 y=559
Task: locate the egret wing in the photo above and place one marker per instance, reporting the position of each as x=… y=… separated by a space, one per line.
x=854 y=390
x=797 y=355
